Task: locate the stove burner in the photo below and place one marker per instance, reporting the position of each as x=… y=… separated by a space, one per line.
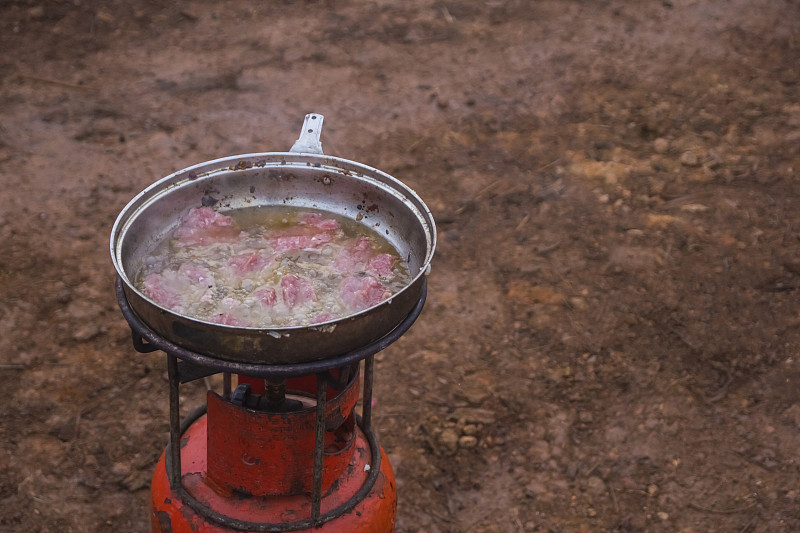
x=185 y=366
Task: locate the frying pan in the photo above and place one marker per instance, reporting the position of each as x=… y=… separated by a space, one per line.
x=302 y=178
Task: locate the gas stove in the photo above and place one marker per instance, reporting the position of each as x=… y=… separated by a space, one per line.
x=285 y=450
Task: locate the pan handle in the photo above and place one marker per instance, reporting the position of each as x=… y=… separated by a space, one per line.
x=308 y=142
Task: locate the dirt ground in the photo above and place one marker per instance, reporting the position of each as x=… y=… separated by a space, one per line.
x=611 y=340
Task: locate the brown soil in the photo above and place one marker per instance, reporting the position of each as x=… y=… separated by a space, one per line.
x=611 y=337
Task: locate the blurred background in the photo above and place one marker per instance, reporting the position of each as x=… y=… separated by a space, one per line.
x=610 y=341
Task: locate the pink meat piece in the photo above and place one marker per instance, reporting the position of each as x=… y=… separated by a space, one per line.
x=249 y=262
x=354 y=257
x=158 y=289
x=316 y=220
x=204 y=226
x=296 y=290
x=381 y=265
x=266 y=295
x=198 y=278
x=361 y=292
x=177 y=289
x=196 y=274
x=300 y=242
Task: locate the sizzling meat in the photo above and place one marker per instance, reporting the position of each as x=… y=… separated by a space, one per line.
x=288 y=269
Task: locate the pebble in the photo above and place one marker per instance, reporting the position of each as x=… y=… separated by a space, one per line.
x=694 y=208
x=473 y=393
x=792 y=415
x=714 y=161
x=68 y=430
x=448 y=441
x=121 y=469
x=105 y=16
x=534 y=489
x=578 y=303
x=661 y=145
x=64 y=296
x=470 y=429
x=87 y=332
x=36 y=12
x=467 y=441
x=137 y=480
x=689 y=159
x=595 y=486
x=539 y=451
x=616 y=434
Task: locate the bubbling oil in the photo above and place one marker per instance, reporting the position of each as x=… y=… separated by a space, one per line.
x=287 y=267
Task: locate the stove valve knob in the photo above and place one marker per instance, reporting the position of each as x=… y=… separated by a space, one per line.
x=240 y=395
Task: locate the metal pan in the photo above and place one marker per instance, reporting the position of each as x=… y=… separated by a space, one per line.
x=304 y=178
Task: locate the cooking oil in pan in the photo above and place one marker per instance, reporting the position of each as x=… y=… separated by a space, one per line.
x=269 y=267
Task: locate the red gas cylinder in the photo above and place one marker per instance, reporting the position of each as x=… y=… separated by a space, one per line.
x=275 y=456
